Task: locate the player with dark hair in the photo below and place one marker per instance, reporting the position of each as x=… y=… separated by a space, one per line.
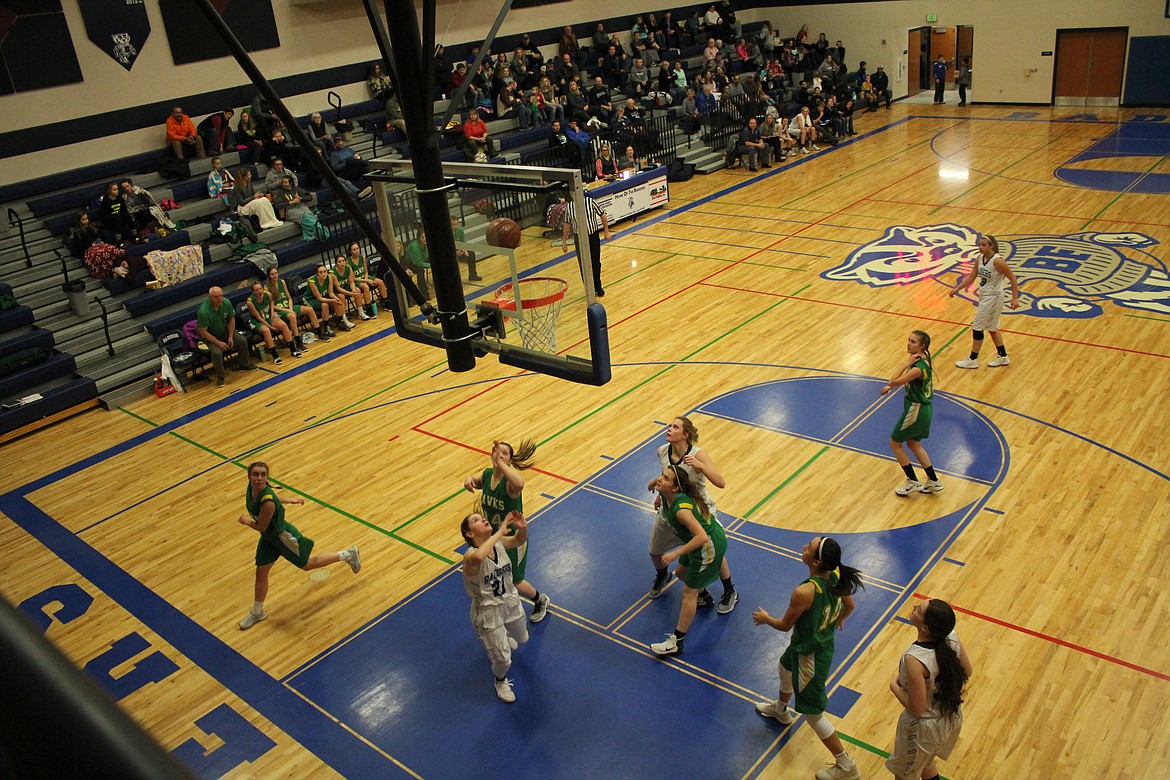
x=929 y=685
x=496 y=613
x=503 y=492
x=817 y=608
x=916 y=373
x=701 y=554
x=279 y=539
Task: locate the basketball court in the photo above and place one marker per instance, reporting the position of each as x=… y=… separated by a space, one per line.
x=771 y=309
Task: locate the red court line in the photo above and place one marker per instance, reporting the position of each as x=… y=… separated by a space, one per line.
x=486 y=452
x=934 y=319
x=1054 y=640
x=1015 y=213
x=465 y=400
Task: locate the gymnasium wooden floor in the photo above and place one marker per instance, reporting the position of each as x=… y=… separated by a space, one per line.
x=124 y=523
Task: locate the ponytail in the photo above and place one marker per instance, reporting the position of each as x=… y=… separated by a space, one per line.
x=683 y=480
x=828 y=557
x=948 y=686
x=522 y=456
x=924 y=340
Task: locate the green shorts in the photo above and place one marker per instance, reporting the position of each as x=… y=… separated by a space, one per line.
x=292 y=546
x=296 y=309
x=914 y=422
x=519 y=558
x=699 y=575
x=316 y=304
x=809 y=673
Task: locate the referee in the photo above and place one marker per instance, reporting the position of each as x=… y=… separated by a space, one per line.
x=598 y=224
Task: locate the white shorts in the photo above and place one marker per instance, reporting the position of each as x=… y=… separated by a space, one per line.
x=918 y=740
x=493 y=626
x=987 y=315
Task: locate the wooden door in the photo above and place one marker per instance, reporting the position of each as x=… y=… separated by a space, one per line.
x=917 y=47
x=1090 y=65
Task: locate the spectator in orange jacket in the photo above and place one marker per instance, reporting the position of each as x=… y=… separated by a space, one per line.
x=181 y=132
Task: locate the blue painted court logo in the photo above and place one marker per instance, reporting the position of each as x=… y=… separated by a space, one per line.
x=1092 y=268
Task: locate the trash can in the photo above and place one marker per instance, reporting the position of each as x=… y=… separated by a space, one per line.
x=75 y=292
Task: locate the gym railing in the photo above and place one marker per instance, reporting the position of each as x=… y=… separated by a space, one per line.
x=14 y=220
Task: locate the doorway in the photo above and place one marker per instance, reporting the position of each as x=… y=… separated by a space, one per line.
x=1090 y=65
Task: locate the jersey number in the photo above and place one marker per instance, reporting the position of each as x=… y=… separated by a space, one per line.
x=830 y=616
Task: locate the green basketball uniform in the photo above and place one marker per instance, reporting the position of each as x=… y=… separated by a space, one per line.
x=496 y=506
x=358 y=268
x=702 y=564
x=809 y=656
x=284 y=302
x=280 y=539
x=341 y=274
x=322 y=289
x=262 y=303
x=917 y=406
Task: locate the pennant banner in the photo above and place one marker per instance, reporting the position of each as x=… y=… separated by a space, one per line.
x=117 y=27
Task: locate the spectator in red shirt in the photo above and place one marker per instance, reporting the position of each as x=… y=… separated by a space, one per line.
x=216 y=132
x=181 y=132
x=476 y=141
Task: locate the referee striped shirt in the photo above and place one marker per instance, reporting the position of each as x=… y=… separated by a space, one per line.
x=592 y=211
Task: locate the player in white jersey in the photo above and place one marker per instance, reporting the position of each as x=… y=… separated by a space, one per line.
x=496 y=613
x=991 y=270
x=683 y=451
x=929 y=685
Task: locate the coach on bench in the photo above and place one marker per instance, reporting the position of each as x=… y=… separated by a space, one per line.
x=216 y=323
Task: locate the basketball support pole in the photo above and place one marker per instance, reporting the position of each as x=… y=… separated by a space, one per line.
x=451 y=315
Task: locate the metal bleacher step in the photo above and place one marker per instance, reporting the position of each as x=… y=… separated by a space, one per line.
x=133 y=351
x=139 y=373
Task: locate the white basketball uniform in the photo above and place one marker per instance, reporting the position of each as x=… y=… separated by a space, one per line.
x=662 y=538
x=990 y=294
x=496 y=613
x=933 y=734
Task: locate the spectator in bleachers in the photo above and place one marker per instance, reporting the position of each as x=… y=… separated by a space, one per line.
x=220 y=181
x=806 y=124
x=461 y=255
x=182 y=135
x=367 y=281
x=394 y=117
x=319 y=132
x=691 y=120
x=456 y=77
x=276 y=174
x=767 y=38
x=600 y=39
x=264 y=117
x=216 y=132
x=248 y=133
x=559 y=139
x=326 y=301
x=605 y=165
x=827 y=70
x=216 y=324
x=821 y=48
x=712 y=19
x=731 y=26
x=531 y=53
x=881 y=88
x=553 y=110
x=662 y=92
x=639 y=84
x=144 y=209
x=775 y=76
x=418 y=262
x=576 y=103
x=692 y=28
x=378 y=83
x=770 y=135
x=565 y=72
x=838 y=52
x=631 y=162
x=442 y=67
x=568 y=44
x=473 y=55
x=476 y=144
x=580 y=137
x=280 y=146
x=612 y=67
x=249 y=203
x=600 y=105
x=82 y=235
x=712 y=50
x=345 y=162
x=290 y=202
x=265 y=321
x=117 y=226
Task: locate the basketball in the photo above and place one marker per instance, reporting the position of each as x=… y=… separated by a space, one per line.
x=504 y=232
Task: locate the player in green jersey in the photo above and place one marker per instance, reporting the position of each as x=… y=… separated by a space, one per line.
x=503 y=492
x=916 y=373
x=282 y=300
x=704 y=543
x=369 y=282
x=817 y=608
x=279 y=539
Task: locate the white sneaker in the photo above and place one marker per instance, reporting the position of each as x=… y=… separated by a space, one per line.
x=776 y=711
x=816 y=148
x=362 y=314
x=251 y=619
x=803 y=150
x=347 y=323
x=669 y=647
x=354 y=561
x=540 y=608
x=968 y=363
x=908 y=487
x=504 y=691
x=999 y=360
x=834 y=772
x=931 y=486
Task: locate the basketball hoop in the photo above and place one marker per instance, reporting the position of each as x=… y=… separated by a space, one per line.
x=540 y=299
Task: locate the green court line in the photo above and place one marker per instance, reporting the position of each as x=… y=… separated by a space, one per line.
x=1144 y=317
x=870 y=748
x=992 y=176
x=1156 y=164
x=954 y=338
x=786 y=482
x=404 y=380
x=428 y=510
x=138 y=417
x=320 y=502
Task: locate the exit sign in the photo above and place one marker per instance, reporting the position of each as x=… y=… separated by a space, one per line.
x=932 y=18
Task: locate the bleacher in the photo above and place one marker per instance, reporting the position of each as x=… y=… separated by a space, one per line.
x=132 y=317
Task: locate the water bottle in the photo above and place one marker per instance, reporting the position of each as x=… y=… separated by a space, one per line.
x=263 y=354
x=374 y=307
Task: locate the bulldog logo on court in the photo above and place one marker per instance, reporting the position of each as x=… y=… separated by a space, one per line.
x=1091 y=268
